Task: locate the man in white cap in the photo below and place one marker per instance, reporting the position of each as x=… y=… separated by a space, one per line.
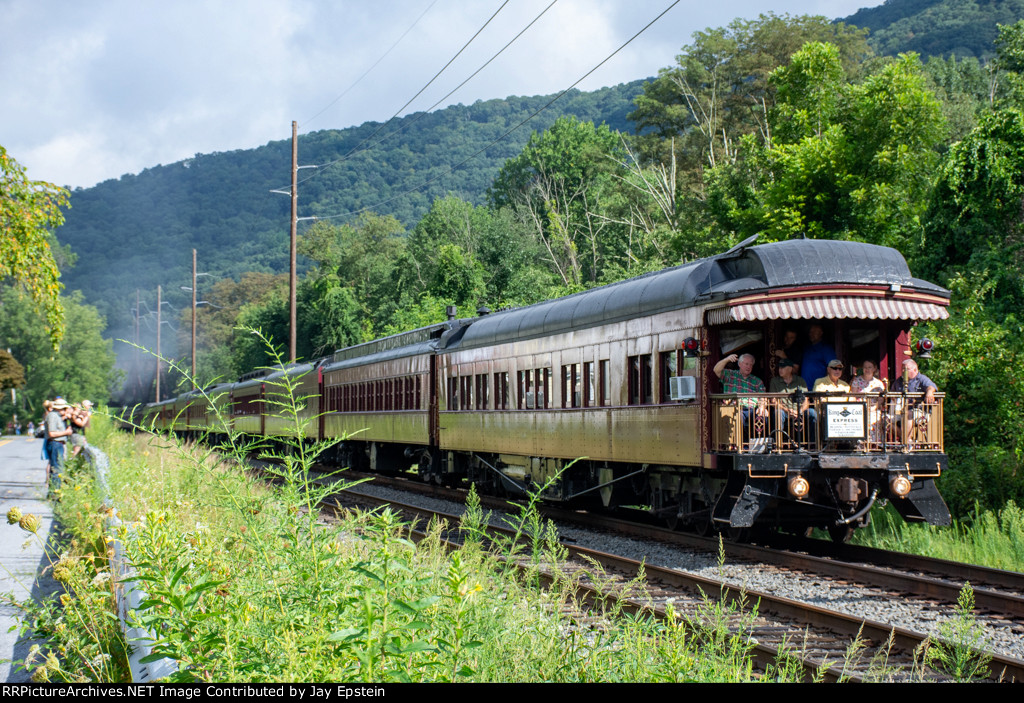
x=57 y=432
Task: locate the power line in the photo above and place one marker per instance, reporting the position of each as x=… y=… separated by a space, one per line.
x=356 y=150
x=367 y=72
x=451 y=169
x=418 y=93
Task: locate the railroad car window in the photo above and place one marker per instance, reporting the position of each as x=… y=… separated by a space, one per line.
x=481 y=391
x=640 y=381
x=466 y=392
x=633 y=379
x=543 y=386
x=571 y=386
x=669 y=363
x=588 y=384
x=604 y=368
x=501 y=390
x=453 y=393
x=526 y=390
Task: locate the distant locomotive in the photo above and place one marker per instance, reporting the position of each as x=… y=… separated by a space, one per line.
x=608 y=397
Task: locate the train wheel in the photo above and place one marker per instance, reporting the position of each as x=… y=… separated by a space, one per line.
x=841 y=534
x=702 y=526
x=672 y=520
x=425 y=467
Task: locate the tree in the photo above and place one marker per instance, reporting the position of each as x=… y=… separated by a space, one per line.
x=858 y=164
x=555 y=184
x=978 y=366
x=719 y=89
x=497 y=251
x=28 y=210
x=368 y=257
x=975 y=222
x=12 y=374
x=82 y=368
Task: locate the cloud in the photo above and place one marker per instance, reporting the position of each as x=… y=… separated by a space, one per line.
x=90 y=91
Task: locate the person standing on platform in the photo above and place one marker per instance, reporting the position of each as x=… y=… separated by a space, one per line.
x=817 y=355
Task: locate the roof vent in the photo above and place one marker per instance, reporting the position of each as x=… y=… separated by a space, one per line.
x=483 y=310
x=451 y=311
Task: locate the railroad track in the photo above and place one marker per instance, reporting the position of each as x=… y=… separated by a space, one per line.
x=827 y=644
x=998 y=593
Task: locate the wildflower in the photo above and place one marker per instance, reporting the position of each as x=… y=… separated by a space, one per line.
x=61 y=572
x=13 y=516
x=100 y=579
x=65 y=599
x=99 y=660
x=51 y=662
x=40 y=675
x=33 y=651
x=28 y=522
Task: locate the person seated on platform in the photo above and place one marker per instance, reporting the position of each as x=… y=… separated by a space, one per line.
x=917 y=382
x=832 y=382
x=867 y=382
x=798 y=423
x=743 y=382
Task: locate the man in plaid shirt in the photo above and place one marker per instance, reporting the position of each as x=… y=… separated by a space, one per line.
x=742 y=382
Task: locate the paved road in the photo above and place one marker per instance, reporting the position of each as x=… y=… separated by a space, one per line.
x=22 y=484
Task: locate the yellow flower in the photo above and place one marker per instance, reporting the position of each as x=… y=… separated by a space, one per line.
x=29 y=522
x=13 y=516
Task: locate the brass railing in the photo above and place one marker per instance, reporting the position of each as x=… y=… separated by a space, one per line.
x=777 y=423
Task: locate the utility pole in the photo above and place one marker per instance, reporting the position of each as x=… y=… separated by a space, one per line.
x=193 y=319
x=138 y=341
x=292 y=243
x=159 y=305
x=292 y=246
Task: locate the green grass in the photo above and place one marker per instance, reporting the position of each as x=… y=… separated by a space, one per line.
x=244 y=583
x=987 y=538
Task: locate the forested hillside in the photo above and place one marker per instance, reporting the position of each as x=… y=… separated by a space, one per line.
x=937 y=27
x=138 y=231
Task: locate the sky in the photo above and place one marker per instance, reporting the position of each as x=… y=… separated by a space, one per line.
x=97 y=89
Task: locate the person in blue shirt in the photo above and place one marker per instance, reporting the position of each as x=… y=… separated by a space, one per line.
x=817 y=355
x=917 y=382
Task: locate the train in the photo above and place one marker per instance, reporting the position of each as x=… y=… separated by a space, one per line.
x=609 y=399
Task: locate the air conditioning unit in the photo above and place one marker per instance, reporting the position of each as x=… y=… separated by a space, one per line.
x=682 y=387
